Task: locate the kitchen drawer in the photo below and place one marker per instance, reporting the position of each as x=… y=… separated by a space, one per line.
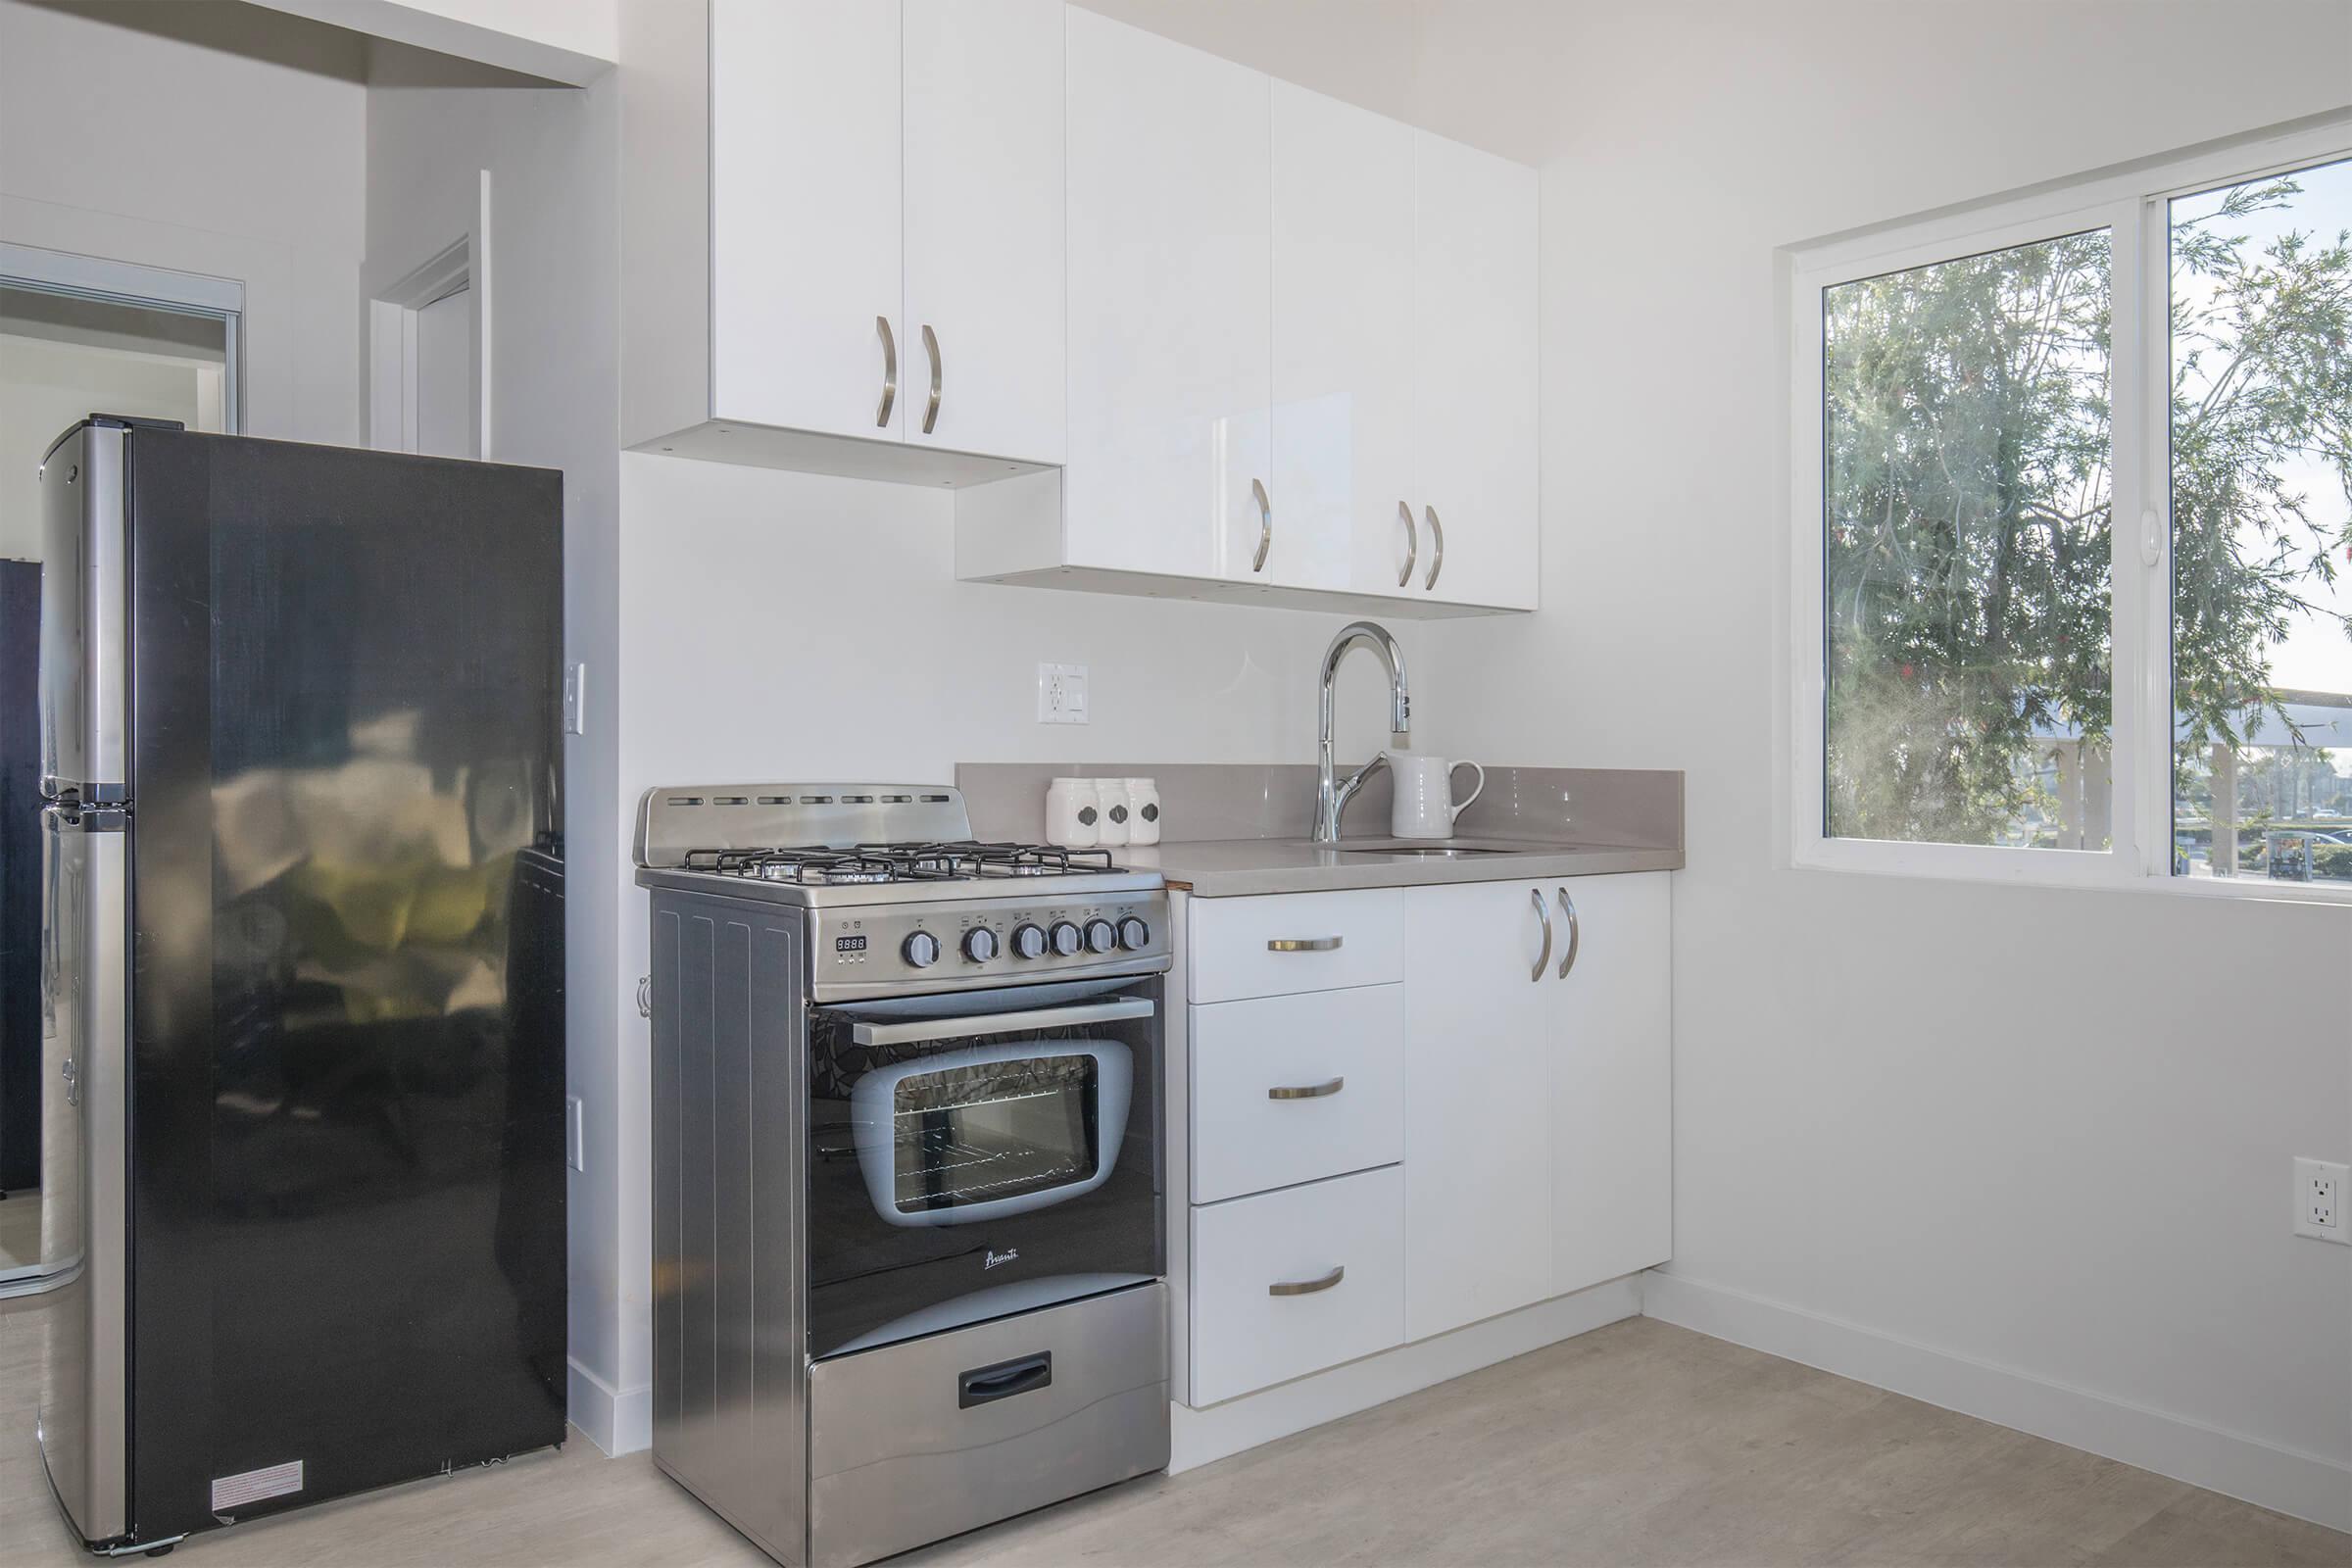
x=1244 y=1336
x=1294 y=1089
x=1290 y=942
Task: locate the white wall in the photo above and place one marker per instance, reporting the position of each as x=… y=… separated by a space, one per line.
x=552 y=240
x=2048 y=1131
x=205 y=137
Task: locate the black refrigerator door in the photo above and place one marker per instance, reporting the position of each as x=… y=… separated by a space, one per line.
x=347 y=1191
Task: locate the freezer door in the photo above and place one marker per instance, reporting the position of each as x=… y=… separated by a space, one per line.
x=84 y=615
x=84 y=1425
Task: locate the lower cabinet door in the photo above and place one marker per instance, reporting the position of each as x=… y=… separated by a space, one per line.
x=1610 y=1024
x=1291 y=1282
x=1477 y=1185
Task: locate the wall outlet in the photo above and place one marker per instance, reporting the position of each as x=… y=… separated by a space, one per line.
x=576 y=1133
x=2320 y=1188
x=575 y=699
x=1061 y=694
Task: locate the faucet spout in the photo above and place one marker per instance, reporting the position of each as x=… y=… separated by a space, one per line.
x=1331 y=793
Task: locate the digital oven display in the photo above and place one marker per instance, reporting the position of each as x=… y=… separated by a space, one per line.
x=849 y=944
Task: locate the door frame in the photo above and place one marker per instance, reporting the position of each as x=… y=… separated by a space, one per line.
x=462 y=264
x=154 y=288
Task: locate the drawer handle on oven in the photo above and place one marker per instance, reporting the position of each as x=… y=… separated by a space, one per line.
x=1003 y=1380
x=1308 y=1286
x=1308 y=1091
x=999 y=1023
x=1304 y=944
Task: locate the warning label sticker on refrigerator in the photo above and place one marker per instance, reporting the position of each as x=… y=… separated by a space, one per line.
x=230 y=1493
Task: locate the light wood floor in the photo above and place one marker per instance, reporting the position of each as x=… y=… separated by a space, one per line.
x=1638 y=1443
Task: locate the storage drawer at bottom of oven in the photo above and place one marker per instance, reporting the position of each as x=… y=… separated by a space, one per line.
x=918 y=1441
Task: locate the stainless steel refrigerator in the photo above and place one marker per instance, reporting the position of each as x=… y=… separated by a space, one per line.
x=301 y=1210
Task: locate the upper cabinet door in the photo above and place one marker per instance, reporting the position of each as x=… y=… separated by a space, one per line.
x=1169 y=245
x=983 y=211
x=1478 y=1187
x=1610 y=1025
x=805 y=229
x=1342 y=405
x=1475 y=346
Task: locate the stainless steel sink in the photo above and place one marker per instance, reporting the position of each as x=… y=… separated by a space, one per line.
x=1447 y=851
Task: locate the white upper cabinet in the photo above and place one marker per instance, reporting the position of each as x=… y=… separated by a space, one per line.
x=1610 y=1025
x=1477 y=1139
x=983 y=219
x=1168 y=245
x=1474 y=335
x=817 y=182
x=804 y=121
x=1342 y=269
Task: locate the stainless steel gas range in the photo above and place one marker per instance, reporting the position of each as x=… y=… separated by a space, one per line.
x=907 y=1150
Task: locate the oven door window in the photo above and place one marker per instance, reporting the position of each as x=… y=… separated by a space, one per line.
x=987 y=1131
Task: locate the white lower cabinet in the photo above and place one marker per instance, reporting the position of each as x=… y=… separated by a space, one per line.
x=1478 y=1183
x=1609 y=1023
x=1488 y=1064
x=1292 y=1089
x=1294 y=1281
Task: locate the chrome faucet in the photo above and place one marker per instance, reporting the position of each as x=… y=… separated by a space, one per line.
x=1331 y=798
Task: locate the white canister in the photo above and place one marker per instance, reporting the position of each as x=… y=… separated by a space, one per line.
x=1073 y=813
x=1143 y=812
x=1112 y=793
x=1423 y=806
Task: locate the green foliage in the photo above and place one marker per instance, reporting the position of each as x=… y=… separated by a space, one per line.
x=1968 y=506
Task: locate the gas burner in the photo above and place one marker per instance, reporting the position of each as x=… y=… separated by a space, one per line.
x=953 y=860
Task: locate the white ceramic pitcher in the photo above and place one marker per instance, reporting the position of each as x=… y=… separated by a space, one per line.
x=1423 y=806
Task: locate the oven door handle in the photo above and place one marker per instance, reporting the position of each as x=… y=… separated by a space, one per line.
x=999 y=1023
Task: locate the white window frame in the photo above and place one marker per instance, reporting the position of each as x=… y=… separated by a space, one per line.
x=2134 y=206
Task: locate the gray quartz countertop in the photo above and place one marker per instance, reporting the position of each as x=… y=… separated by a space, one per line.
x=1234 y=867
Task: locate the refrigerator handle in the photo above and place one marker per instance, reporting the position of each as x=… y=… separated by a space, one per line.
x=85 y=1173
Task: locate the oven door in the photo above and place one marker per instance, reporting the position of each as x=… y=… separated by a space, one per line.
x=980 y=1155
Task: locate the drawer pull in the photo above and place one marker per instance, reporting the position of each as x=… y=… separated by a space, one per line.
x=1308 y=1091
x=1308 y=1286
x=1303 y=943
x=983 y=1385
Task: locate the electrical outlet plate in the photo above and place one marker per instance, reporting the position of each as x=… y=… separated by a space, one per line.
x=1061 y=694
x=2319 y=1191
x=575 y=699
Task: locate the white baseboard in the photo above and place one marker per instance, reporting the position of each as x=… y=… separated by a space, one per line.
x=2308 y=1486
x=617 y=1420
x=1198 y=1437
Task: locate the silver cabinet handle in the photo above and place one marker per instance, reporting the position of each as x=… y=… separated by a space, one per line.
x=1308 y=1091
x=890 y=371
x=1308 y=1286
x=1543 y=913
x=1412 y=544
x=1265 y=523
x=1568 y=908
x=1437 y=539
x=1303 y=943
x=931 y=409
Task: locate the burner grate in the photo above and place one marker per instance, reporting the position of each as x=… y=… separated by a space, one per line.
x=946 y=860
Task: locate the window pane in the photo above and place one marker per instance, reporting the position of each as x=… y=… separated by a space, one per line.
x=1964 y=488
x=2262 y=528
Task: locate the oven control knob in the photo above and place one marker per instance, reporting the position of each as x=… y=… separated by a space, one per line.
x=921 y=949
x=1099 y=937
x=1133 y=933
x=1028 y=941
x=979 y=943
x=1065 y=938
